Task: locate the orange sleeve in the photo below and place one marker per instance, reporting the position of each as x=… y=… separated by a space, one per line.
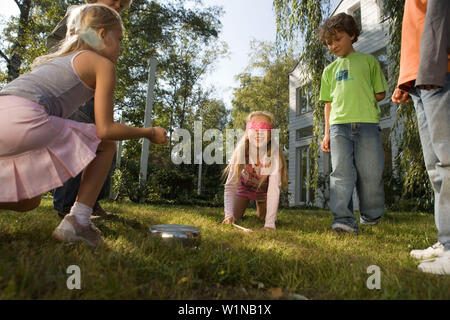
x=412 y=28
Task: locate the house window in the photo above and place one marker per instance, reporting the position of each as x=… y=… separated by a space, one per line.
x=304 y=133
x=303 y=192
x=303 y=98
x=356 y=13
x=382 y=58
x=381 y=10
x=385 y=110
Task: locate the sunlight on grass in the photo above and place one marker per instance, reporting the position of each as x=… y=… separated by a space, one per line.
x=303 y=257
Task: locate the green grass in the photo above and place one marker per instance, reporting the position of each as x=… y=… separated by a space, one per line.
x=302 y=257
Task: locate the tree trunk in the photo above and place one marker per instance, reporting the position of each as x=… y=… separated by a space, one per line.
x=18 y=47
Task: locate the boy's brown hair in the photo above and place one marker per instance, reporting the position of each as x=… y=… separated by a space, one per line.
x=125 y=3
x=341 y=22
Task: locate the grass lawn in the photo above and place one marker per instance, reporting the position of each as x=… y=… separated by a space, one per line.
x=302 y=258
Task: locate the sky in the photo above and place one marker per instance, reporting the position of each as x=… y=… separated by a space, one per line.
x=243 y=21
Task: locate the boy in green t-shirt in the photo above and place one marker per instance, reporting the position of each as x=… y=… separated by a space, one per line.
x=350 y=88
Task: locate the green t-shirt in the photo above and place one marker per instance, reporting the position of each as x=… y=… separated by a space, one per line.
x=350 y=83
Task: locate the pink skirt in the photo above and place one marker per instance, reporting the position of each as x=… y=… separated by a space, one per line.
x=39 y=152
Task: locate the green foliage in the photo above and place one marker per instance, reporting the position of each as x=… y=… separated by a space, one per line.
x=264 y=85
x=302 y=18
x=303 y=256
x=25 y=36
x=170 y=183
x=184 y=40
x=411 y=177
x=185 y=43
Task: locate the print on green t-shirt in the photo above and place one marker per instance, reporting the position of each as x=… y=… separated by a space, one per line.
x=350 y=84
x=343 y=76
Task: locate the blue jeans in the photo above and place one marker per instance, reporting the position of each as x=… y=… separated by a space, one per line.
x=357 y=159
x=433 y=118
x=64 y=197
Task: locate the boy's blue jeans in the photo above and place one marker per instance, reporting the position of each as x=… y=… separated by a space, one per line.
x=433 y=118
x=64 y=197
x=357 y=159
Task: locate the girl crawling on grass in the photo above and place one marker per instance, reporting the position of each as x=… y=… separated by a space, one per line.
x=257 y=171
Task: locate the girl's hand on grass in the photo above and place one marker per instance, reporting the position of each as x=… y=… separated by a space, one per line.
x=228 y=220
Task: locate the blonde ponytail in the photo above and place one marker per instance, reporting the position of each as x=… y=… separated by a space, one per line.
x=82 y=25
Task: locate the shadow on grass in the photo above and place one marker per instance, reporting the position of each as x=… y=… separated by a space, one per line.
x=320 y=273
x=228 y=265
x=132 y=223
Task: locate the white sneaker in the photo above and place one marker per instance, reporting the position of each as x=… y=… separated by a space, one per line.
x=69 y=230
x=365 y=222
x=435 y=250
x=343 y=228
x=439 y=265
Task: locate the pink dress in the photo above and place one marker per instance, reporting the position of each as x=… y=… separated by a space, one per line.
x=39 y=151
x=250 y=187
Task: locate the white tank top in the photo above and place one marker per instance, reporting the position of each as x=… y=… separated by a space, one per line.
x=54 y=84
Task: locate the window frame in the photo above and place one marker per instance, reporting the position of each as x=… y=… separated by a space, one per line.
x=300 y=96
x=351 y=12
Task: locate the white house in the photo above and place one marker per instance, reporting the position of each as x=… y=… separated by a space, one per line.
x=373 y=40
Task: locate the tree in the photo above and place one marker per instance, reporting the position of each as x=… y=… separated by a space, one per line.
x=302 y=18
x=264 y=85
x=25 y=36
x=181 y=35
x=18 y=47
x=186 y=62
x=411 y=174
x=184 y=41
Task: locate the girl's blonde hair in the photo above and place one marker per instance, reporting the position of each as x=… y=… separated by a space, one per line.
x=241 y=152
x=125 y=3
x=83 y=23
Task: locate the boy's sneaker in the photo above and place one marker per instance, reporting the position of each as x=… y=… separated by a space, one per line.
x=99 y=212
x=439 y=265
x=436 y=249
x=63 y=213
x=69 y=230
x=343 y=228
x=364 y=222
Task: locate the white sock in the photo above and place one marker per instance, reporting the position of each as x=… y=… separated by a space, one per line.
x=81 y=212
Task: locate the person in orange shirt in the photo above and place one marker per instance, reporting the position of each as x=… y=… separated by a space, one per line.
x=425 y=78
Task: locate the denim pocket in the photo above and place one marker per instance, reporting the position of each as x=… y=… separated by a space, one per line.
x=333 y=129
x=337 y=129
